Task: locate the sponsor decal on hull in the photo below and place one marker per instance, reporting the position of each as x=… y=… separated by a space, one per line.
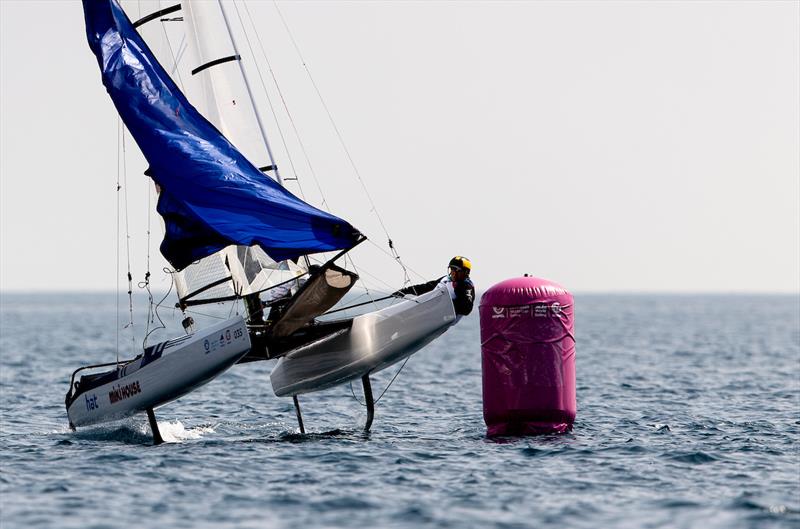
x=225 y=339
x=91 y=402
x=123 y=392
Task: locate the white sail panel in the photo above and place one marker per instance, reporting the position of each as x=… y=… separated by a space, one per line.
x=226 y=101
x=254 y=271
x=233 y=272
x=192 y=283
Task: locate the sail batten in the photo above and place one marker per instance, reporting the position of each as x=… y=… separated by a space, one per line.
x=157 y=14
x=211 y=196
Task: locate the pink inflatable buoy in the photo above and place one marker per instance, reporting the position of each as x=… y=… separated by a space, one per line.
x=528 y=357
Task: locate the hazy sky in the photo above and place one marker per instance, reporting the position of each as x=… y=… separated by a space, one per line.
x=608 y=146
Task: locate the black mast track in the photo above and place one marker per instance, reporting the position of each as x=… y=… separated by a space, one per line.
x=157 y=14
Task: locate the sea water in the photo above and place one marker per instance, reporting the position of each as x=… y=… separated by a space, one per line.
x=688 y=416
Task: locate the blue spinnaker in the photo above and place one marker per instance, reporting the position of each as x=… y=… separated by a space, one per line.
x=211 y=195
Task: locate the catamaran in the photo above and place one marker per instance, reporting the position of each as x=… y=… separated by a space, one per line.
x=232 y=231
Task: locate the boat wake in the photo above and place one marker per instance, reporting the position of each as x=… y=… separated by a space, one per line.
x=138 y=432
x=176 y=432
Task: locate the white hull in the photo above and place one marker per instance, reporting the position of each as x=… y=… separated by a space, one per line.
x=374 y=341
x=165 y=372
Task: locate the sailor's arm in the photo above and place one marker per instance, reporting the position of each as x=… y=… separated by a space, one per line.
x=417 y=290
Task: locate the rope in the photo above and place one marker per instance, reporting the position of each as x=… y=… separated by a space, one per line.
x=158 y=305
x=344 y=146
x=206 y=315
x=234 y=307
x=373 y=301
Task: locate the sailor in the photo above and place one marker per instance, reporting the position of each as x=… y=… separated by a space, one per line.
x=457 y=283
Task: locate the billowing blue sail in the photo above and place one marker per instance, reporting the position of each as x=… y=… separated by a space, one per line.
x=211 y=195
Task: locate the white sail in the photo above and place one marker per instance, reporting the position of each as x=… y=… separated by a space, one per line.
x=226 y=100
x=234 y=272
x=193 y=42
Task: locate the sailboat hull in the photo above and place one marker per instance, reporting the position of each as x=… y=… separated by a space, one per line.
x=163 y=373
x=373 y=342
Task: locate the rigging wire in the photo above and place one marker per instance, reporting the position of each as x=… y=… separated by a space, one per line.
x=382 y=250
x=269 y=100
x=119 y=187
x=152 y=313
x=128 y=240
x=298 y=137
x=175 y=56
x=285 y=105
x=176 y=59
x=325 y=204
x=146 y=285
x=395 y=254
x=385 y=389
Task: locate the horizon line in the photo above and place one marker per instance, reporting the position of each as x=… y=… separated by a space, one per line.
x=38 y=292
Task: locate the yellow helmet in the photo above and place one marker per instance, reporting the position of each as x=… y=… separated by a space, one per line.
x=460 y=262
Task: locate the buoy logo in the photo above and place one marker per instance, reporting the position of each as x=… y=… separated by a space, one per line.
x=499 y=312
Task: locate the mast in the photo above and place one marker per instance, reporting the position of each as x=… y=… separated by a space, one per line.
x=250 y=94
x=252 y=302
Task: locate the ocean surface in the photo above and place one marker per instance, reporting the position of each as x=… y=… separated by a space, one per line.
x=688 y=416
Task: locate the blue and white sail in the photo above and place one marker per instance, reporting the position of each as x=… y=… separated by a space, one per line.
x=217 y=204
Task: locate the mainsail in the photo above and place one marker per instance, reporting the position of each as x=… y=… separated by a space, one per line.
x=211 y=195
